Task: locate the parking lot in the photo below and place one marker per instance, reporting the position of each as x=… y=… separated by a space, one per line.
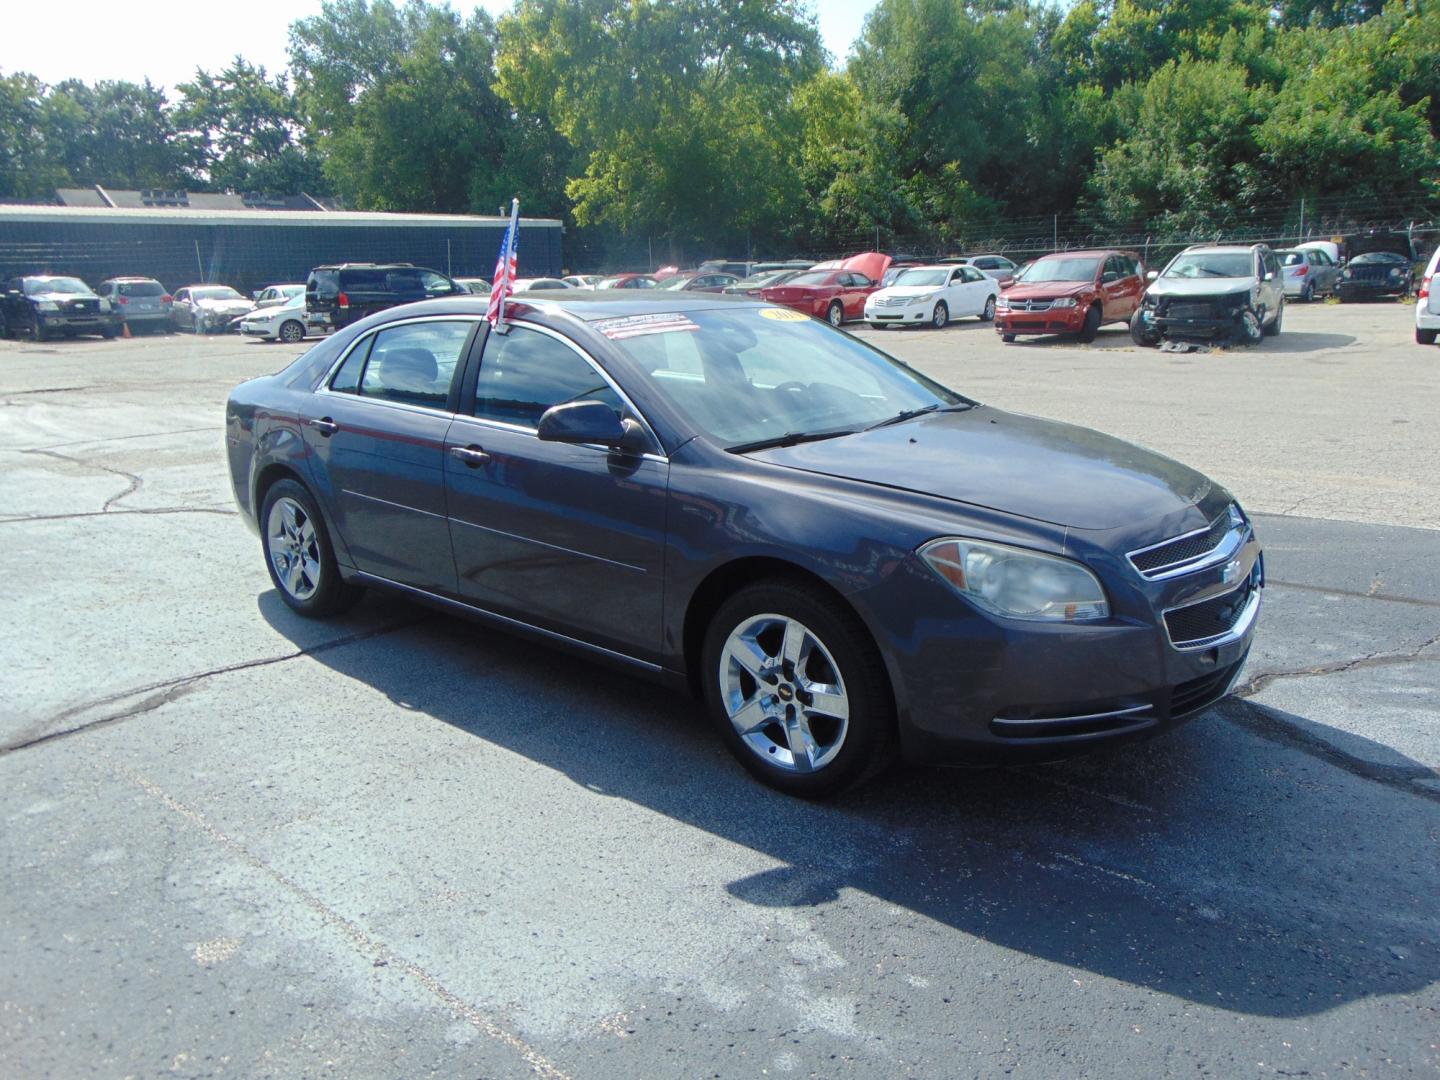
x=396 y=844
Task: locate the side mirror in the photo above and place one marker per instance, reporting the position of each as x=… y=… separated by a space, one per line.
x=1151 y=275
x=590 y=422
x=1268 y=276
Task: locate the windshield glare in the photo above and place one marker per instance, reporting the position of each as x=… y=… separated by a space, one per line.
x=1379 y=257
x=922 y=277
x=819 y=277
x=1233 y=264
x=68 y=285
x=745 y=376
x=220 y=292
x=1061 y=270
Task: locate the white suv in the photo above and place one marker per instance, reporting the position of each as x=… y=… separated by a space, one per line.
x=1427 y=308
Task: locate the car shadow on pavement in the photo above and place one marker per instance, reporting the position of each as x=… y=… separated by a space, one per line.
x=1214 y=864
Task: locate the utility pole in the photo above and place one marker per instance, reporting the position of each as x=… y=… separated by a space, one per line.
x=1055 y=233
x=1302 y=217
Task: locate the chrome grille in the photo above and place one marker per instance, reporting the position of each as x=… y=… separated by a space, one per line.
x=1191 y=311
x=1211 y=622
x=893 y=301
x=1031 y=305
x=1158 y=561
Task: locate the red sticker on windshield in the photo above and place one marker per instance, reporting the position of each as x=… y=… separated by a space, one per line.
x=631 y=326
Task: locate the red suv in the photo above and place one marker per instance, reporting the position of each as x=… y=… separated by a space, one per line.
x=1072 y=292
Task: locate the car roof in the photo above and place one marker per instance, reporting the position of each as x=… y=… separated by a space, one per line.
x=1084 y=251
x=132 y=277
x=1219 y=249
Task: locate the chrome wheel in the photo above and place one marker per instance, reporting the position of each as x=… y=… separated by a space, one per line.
x=294 y=549
x=784 y=693
x=836 y=315
x=988 y=315
x=291 y=332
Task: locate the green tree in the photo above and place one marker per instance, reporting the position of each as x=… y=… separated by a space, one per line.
x=246 y=131
x=400 y=100
x=680 y=110
x=27 y=170
x=119 y=134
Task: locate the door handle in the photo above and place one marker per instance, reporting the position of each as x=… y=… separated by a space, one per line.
x=472 y=456
x=325 y=426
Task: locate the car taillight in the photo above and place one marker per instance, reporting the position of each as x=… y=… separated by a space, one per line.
x=167 y=299
x=1425 y=289
x=1302 y=271
x=343 y=300
x=122 y=300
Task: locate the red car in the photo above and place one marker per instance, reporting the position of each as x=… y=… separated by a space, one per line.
x=627 y=281
x=833 y=295
x=1072 y=292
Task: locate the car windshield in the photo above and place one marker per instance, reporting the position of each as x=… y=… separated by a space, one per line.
x=296 y=301
x=1061 y=270
x=758 y=374
x=1203 y=264
x=1291 y=258
x=215 y=292
x=679 y=281
x=1380 y=257
x=68 y=285
x=922 y=277
x=819 y=277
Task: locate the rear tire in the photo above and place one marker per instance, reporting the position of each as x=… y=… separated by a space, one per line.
x=768 y=651
x=299 y=555
x=1307 y=294
x=1425 y=337
x=835 y=314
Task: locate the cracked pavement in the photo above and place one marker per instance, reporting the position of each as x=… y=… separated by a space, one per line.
x=395 y=844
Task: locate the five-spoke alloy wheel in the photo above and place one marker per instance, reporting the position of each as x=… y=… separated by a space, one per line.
x=298 y=552
x=795 y=684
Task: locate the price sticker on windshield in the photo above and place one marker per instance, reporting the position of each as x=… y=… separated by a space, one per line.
x=783 y=314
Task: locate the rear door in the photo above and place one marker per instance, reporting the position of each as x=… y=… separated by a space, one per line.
x=977 y=290
x=568 y=538
x=376 y=433
x=181 y=311
x=855 y=288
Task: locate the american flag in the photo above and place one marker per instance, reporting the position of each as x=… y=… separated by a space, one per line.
x=503 y=282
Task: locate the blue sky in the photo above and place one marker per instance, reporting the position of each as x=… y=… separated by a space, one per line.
x=167 y=49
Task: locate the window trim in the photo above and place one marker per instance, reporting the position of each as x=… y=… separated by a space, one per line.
x=465 y=409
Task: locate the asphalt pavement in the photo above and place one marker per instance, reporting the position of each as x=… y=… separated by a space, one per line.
x=240 y=843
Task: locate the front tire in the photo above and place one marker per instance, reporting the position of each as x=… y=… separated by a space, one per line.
x=1248 y=330
x=988 y=314
x=940 y=317
x=797 y=688
x=1007 y=338
x=299 y=555
x=292 y=332
x=1092 y=324
x=835 y=314
x=1142 y=333
x=1307 y=294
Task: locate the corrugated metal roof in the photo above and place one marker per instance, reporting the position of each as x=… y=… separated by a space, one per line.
x=197 y=216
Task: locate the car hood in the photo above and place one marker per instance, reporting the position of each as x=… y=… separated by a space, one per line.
x=1021 y=465
x=225 y=305
x=872 y=264
x=1212 y=286
x=1045 y=290
x=1398 y=243
x=61 y=297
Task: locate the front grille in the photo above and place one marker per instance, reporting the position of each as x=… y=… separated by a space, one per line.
x=1184 y=549
x=1190 y=311
x=1031 y=305
x=82 y=307
x=893 y=301
x=1206 y=622
x=1206 y=690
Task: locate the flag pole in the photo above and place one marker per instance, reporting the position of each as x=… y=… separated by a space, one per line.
x=509 y=254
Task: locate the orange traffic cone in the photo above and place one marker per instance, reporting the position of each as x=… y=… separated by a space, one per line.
x=125 y=330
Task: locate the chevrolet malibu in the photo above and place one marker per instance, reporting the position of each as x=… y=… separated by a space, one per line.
x=843 y=558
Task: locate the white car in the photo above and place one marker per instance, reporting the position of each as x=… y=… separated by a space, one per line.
x=283 y=323
x=1427 y=308
x=582 y=281
x=275 y=295
x=933 y=295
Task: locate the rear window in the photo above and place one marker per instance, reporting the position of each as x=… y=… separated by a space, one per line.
x=139 y=288
x=323 y=281
x=1292 y=258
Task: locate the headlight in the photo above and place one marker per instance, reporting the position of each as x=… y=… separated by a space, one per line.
x=104 y=305
x=1017 y=583
x=1395 y=271
x=1001 y=304
x=47 y=305
x=1064 y=301
x=1345 y=273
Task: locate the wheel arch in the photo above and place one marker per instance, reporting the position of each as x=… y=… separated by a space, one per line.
x=726 y=580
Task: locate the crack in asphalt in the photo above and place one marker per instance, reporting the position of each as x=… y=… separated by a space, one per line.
x=377 y=952
x=123 y=438
x=24 y=518
x=162 y=693
x=1327 y=590
x=132 y=479
x=45 y=390
x=1256 y=683
x=1270 y=725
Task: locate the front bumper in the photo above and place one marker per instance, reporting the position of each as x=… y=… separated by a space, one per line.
x=1066 y=320
x=973 y=689
x=1356 y=290
x=909 y=313
x=86 y=324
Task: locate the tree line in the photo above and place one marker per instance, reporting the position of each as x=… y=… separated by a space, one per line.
x=723 y=125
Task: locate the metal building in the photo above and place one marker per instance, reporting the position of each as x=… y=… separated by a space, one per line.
x=249 y=248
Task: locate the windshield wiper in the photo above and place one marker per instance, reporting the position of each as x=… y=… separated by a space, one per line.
x=910 y=414
x=790 y=438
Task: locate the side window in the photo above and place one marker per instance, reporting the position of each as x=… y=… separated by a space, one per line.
x=435 y=284
x=415 y=363
x=182 y=295
x=525 y=372
x=347 y=379
x=971 y=274
x=956 y=277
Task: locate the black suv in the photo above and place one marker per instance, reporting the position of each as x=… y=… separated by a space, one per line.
x=340 y=295
x=46 y=306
